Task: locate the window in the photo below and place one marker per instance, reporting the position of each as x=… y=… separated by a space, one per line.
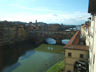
x=69 y=71
x=81 y=56
x=69 y=54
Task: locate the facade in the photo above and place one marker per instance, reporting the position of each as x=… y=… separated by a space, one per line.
x=85 y=32
x=21 y=32
x=92 y=35
x=4 y=38
x=53 y=27
x=89 y=33
x=92 y=45
x=74 y=52
x=10 y=32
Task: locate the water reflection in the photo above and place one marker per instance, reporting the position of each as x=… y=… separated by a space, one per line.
x=50 y=48
x=10 y=68
x=39 y=62
x=26 y=58
x=9 y=55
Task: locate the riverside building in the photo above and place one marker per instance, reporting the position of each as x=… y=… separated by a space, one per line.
x=88 y=31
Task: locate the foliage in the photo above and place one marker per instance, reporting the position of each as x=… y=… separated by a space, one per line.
x=58 y=67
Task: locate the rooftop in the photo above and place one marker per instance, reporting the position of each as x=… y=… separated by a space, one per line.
x=74 y=43
x=77 y=47
x=74 y=40
x=92 y=6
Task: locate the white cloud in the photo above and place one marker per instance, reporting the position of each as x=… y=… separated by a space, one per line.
x=66 y=18
x=33 y=9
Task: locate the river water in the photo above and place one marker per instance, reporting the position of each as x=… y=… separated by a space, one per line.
x=26 y=58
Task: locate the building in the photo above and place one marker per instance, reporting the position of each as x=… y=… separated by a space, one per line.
x=21 y=32
x=11 y=32
x=85 y=32
x=92 y=36
x=4 y=38
x=74 y=52
x=91 y=33
x=53 y=27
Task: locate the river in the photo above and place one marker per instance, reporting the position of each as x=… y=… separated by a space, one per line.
x=26 y=58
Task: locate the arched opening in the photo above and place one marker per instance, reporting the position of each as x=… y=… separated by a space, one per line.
x=65 y=41
x=53 y=41
x=50 y=41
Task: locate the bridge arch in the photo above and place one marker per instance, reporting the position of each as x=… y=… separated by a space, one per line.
x=53 y=41
x=57 y=35
x=50 y=41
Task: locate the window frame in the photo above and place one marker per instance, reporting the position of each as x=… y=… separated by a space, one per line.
x=69 y=54
x=81 y=55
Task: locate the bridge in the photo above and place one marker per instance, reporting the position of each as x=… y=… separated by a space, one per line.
x=41 y=36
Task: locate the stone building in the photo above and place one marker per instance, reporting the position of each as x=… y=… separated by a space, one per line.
x=21 y=32
x=53 y=27
x=11 y=33
x=75 y=52
x=85 y=32
x=92 y=35
x=4 y=33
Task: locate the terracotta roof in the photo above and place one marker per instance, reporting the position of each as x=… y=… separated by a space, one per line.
x=77 y=47
x=73 y=39
x=92 y=6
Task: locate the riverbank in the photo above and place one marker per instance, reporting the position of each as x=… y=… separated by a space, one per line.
x=58 y=67
x=51 y=48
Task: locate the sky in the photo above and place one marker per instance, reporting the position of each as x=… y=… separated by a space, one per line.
x=49 y=11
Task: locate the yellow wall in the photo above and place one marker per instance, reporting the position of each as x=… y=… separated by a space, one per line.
x=69 y=61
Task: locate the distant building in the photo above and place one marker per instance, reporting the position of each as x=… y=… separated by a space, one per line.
x=21 y=32
x=53 y=27
x=11 y=32
x=4 y=33
x=36 y=21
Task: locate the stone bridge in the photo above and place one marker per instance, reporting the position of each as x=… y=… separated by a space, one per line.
x=40 y=36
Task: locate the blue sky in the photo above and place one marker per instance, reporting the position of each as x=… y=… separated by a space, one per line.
x=49 y=11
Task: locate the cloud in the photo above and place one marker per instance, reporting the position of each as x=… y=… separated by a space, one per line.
x=54 y=16
x=33 y=9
